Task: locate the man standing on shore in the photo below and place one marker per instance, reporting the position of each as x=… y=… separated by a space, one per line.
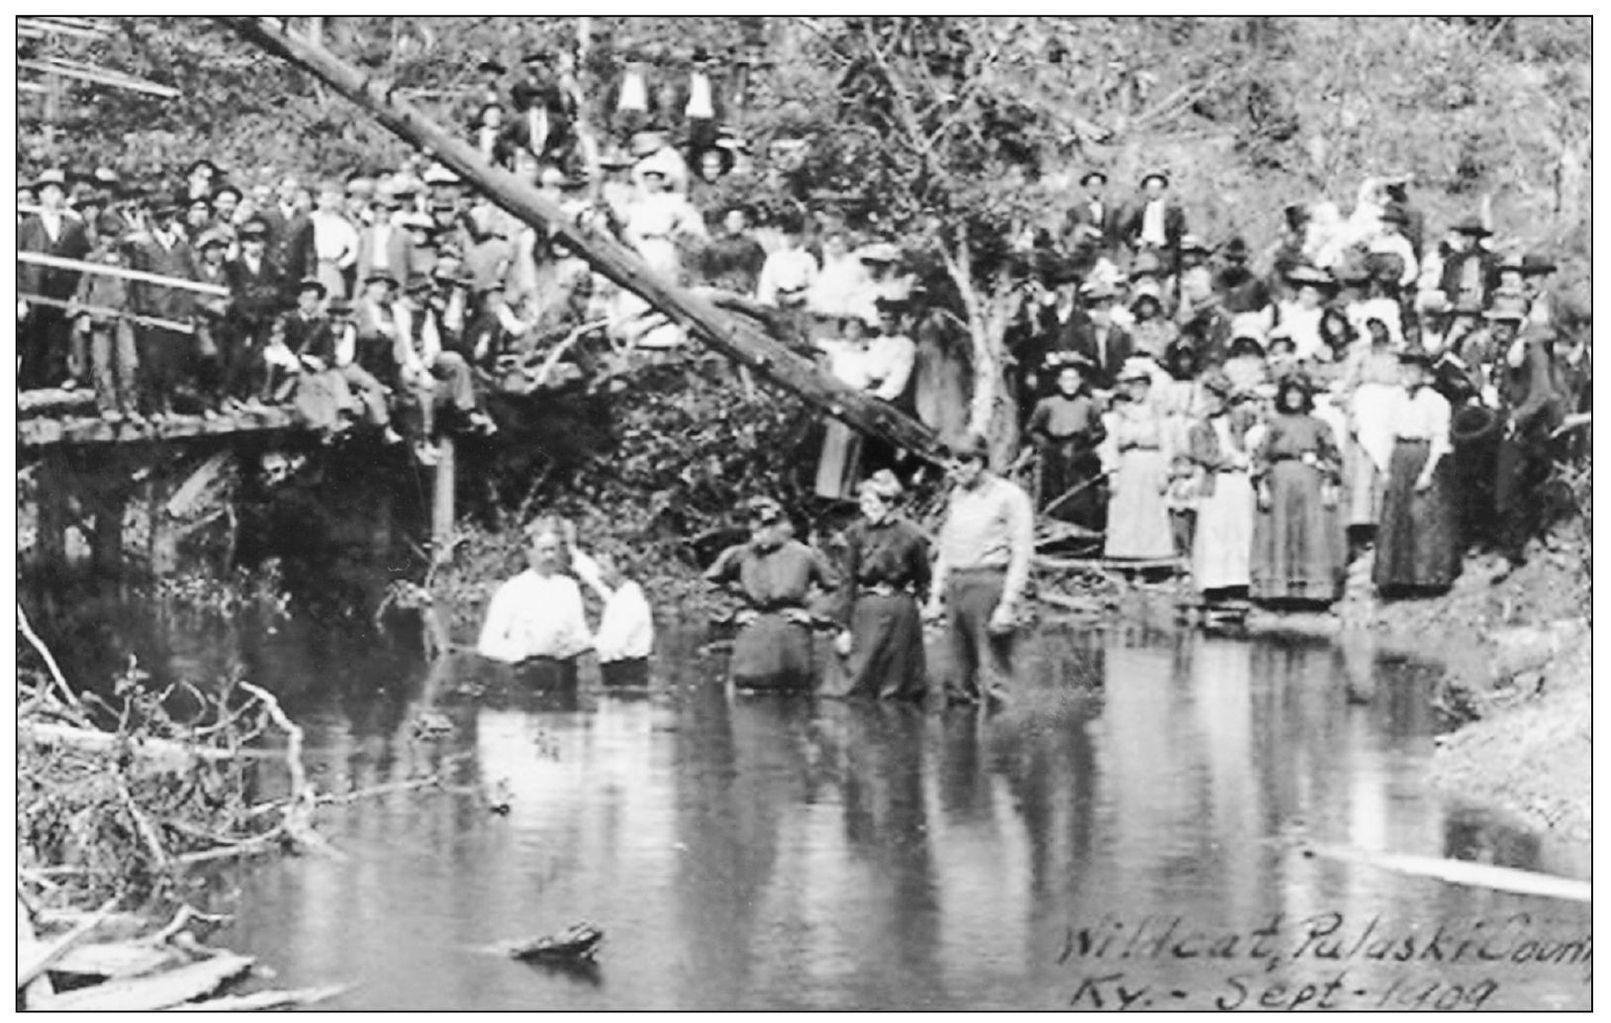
x=986 y=545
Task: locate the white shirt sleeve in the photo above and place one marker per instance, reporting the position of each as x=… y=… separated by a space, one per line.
x=897 y=355
x=496 y=643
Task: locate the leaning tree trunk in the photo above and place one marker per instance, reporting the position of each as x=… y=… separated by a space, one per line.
x=741 y=341
x=993 y=406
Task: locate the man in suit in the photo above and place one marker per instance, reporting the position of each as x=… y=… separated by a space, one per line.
x=290 y=229
x=1101 y=341
x=50 y=353
x=166 y=355
x=629 y=100
x=212 y=315
x=258 y=293
x=384 y=244
x=1471 y=271
x=1095 y=219
x=700 y=104
x=1157 y=223
x=539 y=131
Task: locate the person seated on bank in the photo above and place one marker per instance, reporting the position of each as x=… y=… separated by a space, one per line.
x=886 y=576
x=774 y=573
x=535 y=618
x=625 y=637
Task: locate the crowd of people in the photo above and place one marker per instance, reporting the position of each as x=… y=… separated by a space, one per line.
x=1261 y=418
x=1266 y=421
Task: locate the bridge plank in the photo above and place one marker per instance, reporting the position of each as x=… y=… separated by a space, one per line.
x=46 y=431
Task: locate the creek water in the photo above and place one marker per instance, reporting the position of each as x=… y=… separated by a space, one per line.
x=1133 y=825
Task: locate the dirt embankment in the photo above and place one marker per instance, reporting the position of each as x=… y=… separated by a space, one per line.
x=1517 y=652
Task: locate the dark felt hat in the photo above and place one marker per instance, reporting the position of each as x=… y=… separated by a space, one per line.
x=254 y=228
x=1394 y=214
x=1161 y=177
x=1416 y=355
x=1472 y=225
x=381 y=275
x=312 y=284
x=1534 y=265
x=1235 y=250
x=1085 y=179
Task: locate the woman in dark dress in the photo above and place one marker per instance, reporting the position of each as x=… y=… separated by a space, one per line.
x=1067 y=429
x=1417 y=539
x=886 y=580
x=1298 y=545
x=774 y=573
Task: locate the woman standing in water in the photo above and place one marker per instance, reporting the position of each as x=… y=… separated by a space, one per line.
x=774 y=573
x=1297 y=543
x=886 y=576
x=1417 y=542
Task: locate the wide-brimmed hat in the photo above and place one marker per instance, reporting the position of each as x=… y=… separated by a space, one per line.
x=1057 y=361
x=416 y=222
x=1098 y=290
x=883 y=484
x=312 y=284
x=50 y=176
x=361 y=186
x=491 y=66
x=381 y=275
x=1192 y=243
x=1135 y=368
x=196 y=165
x=211 y=236
x=971 y=446
x=419 y=282
x=1158 y=174
x=1415 y=355
x=1472 y=225
x=648 y=141
x=1146 y=289
x=338 y=306
x=1145 y=264
x=1535 y=265
x=440 y=174
x=1217 y=383
x=879 y=252
x=1085 y=178
x=254 y=228
x=1311 y=275
x=615 y=159
x=1235 y=250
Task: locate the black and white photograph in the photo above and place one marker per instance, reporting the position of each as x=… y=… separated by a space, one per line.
x=885 y=512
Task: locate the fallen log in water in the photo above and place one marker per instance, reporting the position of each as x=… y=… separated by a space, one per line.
x=142 y=994
x=576 y=942
x=259 y=1001
x=1477 y=875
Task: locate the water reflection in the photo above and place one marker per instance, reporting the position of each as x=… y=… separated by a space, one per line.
x=765 y=852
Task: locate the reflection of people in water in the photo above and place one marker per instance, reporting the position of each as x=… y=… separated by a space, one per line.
x=535 y=619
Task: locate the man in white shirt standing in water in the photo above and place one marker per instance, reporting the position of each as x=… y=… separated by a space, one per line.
x=535 y=619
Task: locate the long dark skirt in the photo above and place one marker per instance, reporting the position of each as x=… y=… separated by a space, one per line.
x=1064 y=466
x=773 y=653
x=1417 y=540
x=886 y=651
x=1299 y=549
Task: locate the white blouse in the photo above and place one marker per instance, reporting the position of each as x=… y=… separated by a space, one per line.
x=1424 y=415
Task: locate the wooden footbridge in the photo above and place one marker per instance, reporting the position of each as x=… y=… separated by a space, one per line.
x=88 y=467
